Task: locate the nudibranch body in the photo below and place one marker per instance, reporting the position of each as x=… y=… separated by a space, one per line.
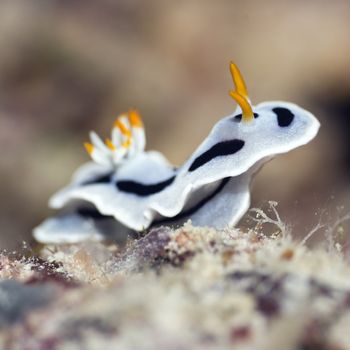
x=128 y=188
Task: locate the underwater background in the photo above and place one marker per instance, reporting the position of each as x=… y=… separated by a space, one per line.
x=67 y=67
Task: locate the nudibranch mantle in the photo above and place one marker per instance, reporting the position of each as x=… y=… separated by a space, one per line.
x=128 y=188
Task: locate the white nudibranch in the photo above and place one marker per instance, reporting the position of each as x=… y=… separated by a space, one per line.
x=126 y=188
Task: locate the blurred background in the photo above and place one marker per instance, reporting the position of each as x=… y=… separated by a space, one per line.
x=67 y=67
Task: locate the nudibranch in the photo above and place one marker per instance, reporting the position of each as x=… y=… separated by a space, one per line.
x=126 y=188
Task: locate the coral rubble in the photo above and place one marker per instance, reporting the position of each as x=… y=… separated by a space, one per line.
x=189 y=288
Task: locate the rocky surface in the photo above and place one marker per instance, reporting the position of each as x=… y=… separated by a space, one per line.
x=190 y=288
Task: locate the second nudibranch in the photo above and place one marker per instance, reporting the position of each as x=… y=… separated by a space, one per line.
x=137 y=188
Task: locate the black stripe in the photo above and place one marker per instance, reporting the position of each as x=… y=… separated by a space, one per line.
x=142 y=189
x=91 y=213
x=102 y=179
x=220 y=149
x=196 y=207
